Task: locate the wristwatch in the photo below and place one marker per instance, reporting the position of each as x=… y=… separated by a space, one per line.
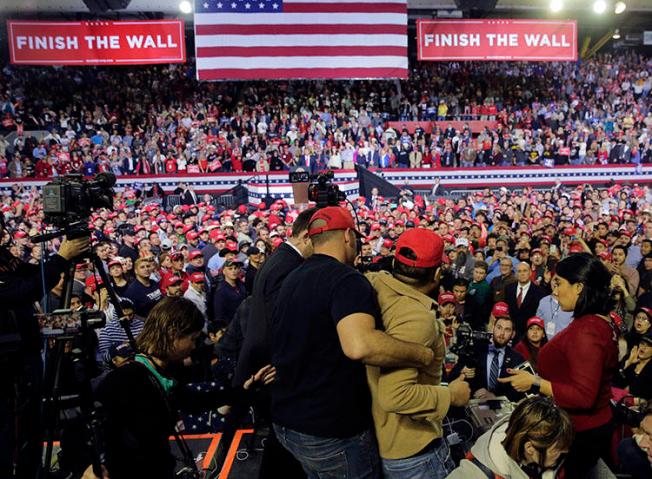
x=536 y=386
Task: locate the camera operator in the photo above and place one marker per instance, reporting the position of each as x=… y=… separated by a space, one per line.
x=491 y=361
x=531 y=443
x=21 y=285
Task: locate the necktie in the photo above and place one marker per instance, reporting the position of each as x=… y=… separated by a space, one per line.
x=519 y=297
x=495 y=369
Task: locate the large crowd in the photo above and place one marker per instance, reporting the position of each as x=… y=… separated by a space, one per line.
x=499 y=255
x=159 y=120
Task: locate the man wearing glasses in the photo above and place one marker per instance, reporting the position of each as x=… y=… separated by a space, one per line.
x=635 y=452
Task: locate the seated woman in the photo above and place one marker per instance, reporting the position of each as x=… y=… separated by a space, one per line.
x=533 y=341
x=642 y=320
x=531 y=442
x=141 y=398
x=636 y=376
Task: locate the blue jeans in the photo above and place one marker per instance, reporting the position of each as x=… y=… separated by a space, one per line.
x=333 y=458
x=436 y=463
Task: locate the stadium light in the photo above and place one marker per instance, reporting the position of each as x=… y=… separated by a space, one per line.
x=616 y=35
x=556 y=5
x=185 y=7
x=620 y=7
x=599 y=6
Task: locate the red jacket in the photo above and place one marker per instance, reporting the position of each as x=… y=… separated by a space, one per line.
x=580 y=362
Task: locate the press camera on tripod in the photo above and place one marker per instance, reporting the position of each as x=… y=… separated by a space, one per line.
x=68 y=203
x=69 y=200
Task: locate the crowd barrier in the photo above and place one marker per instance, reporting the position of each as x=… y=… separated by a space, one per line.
x=277 y=185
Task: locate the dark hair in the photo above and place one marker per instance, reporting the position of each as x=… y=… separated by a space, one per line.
x=619 y=246
x=540 y=420
x=170 y=319
x=482 y=265
x=461 y=282
x=586 y=269
x=410 y=274
x=302 y=222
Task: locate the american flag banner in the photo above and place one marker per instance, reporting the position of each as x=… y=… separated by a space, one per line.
x=279 y=39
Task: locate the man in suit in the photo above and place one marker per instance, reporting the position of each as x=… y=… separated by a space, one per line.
x=256 y=343
x=490 y=362
x=523 y=298
x=189 y=197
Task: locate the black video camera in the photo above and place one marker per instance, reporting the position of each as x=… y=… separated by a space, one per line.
x=466 y=340
x=71 y=198
x=324 y=192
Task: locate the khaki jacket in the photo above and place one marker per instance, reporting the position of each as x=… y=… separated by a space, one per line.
x=408 y=403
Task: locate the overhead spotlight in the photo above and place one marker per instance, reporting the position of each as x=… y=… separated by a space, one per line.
x=620 y=7
x=599 y=6
x=556 y=5
x=616 y=35
x=185 y=6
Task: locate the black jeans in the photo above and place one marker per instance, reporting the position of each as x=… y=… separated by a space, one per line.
x=587 y=448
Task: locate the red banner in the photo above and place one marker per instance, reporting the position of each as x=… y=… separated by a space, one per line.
x=497 y=39
x=96 y=43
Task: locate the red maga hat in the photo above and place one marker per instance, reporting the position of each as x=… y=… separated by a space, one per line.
x=500 y=310
x=426 y=245
x=194 y=254
x=536 y=321
x=197 y=277
x=446 y=298
x=336 y=218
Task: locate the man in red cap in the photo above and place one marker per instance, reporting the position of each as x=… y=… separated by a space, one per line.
x=323 y=325
x=196 y=291
x=408 y=403
x=171 y=286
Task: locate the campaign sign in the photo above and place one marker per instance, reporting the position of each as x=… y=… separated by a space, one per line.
x=96 y=42
x=497 y=40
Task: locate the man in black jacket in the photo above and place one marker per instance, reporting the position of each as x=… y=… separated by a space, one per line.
x=256 y=345
x=523 y=298
x=21 y=285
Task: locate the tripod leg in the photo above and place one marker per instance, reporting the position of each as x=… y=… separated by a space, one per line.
x=51 y=405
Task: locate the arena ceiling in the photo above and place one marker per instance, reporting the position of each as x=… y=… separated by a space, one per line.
x=172 y=6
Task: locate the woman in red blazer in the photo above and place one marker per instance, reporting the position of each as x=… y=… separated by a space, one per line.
x=577 y=366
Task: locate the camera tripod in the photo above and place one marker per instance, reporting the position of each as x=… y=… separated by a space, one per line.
x=83 y=341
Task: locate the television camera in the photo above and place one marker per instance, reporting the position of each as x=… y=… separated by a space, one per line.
x=466 y=341
x=324 y=192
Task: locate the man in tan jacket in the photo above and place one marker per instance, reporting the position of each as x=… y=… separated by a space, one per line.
x=409 y=403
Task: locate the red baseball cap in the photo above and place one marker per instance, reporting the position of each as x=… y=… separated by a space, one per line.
x=229 y=247
x=114 y=262
x=336 y=218
x=575 y=248
x=536 y=321
x=197 y=277
x=500 y=310
x=171 y=280
x=192 y=235
x=446 y=298
x=194 y=254
x=426 y=245
x=388 y=243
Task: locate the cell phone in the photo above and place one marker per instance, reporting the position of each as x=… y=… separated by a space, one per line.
x=526 y=366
